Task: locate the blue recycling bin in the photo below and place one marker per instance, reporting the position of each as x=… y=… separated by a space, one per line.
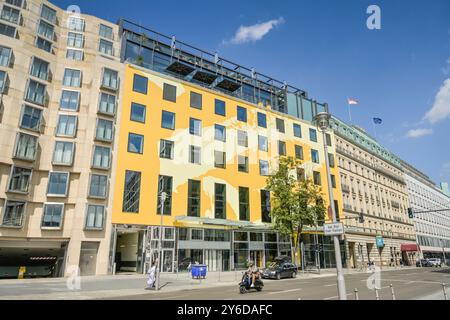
x=198 y=271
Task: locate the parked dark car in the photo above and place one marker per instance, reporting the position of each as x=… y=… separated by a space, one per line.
x=280 y=270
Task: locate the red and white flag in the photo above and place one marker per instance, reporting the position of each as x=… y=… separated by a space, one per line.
x=352 y=101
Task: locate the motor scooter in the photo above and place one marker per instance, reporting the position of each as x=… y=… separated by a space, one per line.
x=245 y=284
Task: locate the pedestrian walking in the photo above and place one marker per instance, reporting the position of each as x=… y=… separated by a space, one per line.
x=151 y=277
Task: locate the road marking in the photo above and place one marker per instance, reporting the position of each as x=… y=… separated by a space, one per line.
x=285 y=291
x=335 y=297
x=408 y=274
x=330 y=285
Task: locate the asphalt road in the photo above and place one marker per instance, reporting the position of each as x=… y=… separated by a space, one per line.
x=408 y=285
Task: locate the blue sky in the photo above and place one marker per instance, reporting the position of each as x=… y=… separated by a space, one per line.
x=397 y=73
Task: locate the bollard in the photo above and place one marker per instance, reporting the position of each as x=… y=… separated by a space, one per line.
x=445 y=293
x=392 y=291
x=356 y=294
x=376 y=293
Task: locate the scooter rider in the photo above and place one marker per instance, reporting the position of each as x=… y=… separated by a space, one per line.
x=253 y=272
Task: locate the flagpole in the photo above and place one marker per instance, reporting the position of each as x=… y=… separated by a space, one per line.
x=375 y=129
x=349 y=113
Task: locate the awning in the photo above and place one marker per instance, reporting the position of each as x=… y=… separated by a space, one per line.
x=222 y=223
x=410 y=247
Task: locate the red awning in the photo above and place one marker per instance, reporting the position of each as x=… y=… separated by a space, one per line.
x=410 y=247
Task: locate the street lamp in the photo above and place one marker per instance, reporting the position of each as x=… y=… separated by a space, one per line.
x=163 y=197
x=322 y=121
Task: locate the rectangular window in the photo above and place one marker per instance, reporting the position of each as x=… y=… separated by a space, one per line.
x=138 y=112
x=280 y=125
x=31 y=118
x=219 y=107
x=72 y=78
x=168 y=120
x=63 y=153
x=110 y=79
x=106 y=47
x=195 y=127
x=299 y=152
x=58 y=184
x=331 y=160
x=107 y=104
x=20 y=180
x=11 y=15
x=17 y=3
x=48 y=14
x=5 y=56
x=95 y=217
x=220 y=159
x=194 y=155
x=169 y=92
x=26 y=147
x=76 y=55
x=244 y=204
x=328 y=139
x=75 y=40
x=105 y=32
x=132 y=191
x=135 y=143
x=263 y=168
x=165 y=187
x=104 y=130
x=14 y=214
x=140 y=84
x=220 y=201
x=242 y=138
x=313 y=135
x=265 y=206
x=241 y=114
x=43 y=44
x=36 y=93
x=243 y=164
x=196 y=100
x=315 y=156
x=317 y=178
x=301 y=175
x=2 y=81
x=67 y=126
x=101 y=158
x=70 y=100
x=46 y=30
x=76 y=24
x=7 y=30
x=166 y=149
x=98 y=186
x=220 y=133
x=262 y=120
x=297 y=130
x=53 y=216
x=39 y=68
x=333 y=181
x=263 y=144
x=194 y=192
x=282 y=148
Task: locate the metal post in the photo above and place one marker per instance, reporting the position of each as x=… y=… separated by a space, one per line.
x=158 y=270
x=445 y=293
x=356 y=294
x=392 y=291
x=376 y=294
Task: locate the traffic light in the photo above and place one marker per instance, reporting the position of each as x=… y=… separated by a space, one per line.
x=410 y=213
x=361 y=217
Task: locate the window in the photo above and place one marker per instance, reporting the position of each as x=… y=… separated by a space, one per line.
x=104 y=130
x=243 y=164
x=262 y=120
x=194 y=155
x=263 y=143
x=165 y=186
x=315 y=156
x=297 y=130
x=140 y=84
x=131 y=193
x=106 y=47
x=5 y=56
x=2 y=81
x=313 y=135
x=19 y=180
x=101 y=158
x=169 y=92
x=219 y=107
x=328 y=139
x=36 y=92
x=317 y=178
x=110 y=79
x=196 y=100
x=135 y=143
x=263 y=168
x=299 y=152
x=242 y=138
x=220 y=159
x=105 y=32
x=58 y=183
x=265 y=206
x=75 y=40
x=331 y=160
x=72 y=78
x=70 y=100
x=195 y=127
x=7 y=30
x=220 y=133
x=76 y=24
x=43 y=44
x=107 y=104
x=67 y=126
x=281 y=148
x=333 y=181
x=98 y=186
x=301 y=175
x=280 y=125
x=244 y=204
x=63 y=153
x=241 y=114
x=31 y=118
x=166 y=149
x=53 y=215
x=17 y=3
x=168 y=120
x=46 y=30
x=220 y=201
x=13 y=214
x=138 y=112
x=48 y=14
x=194 y=192
x=73 y=54
x=95 y=217
x=26 y=147
x=10 y=14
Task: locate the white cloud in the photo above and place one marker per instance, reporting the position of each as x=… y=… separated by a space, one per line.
x=441 y=108
x=417 y=133
x=254 y=32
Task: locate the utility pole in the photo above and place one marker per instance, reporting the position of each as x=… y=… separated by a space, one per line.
x=163 y=197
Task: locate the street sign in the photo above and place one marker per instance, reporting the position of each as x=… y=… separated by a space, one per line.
x=380 y=242
x=333 y=229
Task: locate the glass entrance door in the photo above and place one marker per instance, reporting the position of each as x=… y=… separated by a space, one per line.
x=256 y=256
x=167 y=261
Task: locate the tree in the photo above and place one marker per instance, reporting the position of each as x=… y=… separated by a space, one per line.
x=295 y=204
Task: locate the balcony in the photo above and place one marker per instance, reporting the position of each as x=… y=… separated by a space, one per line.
x=345 y=188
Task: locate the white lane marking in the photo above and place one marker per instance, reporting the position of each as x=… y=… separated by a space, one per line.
x=330 y=285
x=408 y=274
x=335 y=297
x=285 y=291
